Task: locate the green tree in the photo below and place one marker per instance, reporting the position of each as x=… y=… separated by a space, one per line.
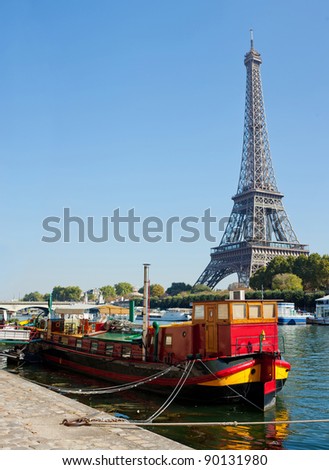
x=178 y=287
x=279 y=265
x=123 y=288
x=33 y=297
x=313 y=270
x=324 y=284
x=260 y=280
x=200 y=288
x=318 y=271
x=301 y=269
x=156 y=290
x=108 y=292
x=70 y=293
x=287 y=281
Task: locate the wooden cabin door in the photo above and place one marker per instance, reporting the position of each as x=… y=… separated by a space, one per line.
x=211 y=329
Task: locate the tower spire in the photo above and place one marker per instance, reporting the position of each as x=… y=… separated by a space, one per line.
x=258 y=229
x=251 y=38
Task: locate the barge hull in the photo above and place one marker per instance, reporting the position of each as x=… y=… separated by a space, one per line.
x=210 y=381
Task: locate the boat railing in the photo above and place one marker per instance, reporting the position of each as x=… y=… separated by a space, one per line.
x=255 y=344
x=91 y=345
x=282 y=345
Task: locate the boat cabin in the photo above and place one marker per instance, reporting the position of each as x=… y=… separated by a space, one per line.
x=322 y=310
x=221 y=328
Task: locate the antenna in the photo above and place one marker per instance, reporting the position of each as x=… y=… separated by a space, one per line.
x=251 y=38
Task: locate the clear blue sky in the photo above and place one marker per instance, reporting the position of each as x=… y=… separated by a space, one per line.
x=140 y=104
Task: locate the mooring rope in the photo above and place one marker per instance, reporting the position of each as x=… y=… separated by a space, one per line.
x=188 y=367
x=120 y=422
x=99 y=391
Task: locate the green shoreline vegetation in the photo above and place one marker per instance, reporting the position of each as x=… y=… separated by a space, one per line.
x=300 y=279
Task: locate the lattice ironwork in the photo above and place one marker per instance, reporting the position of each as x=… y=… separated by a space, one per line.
x=258 y=228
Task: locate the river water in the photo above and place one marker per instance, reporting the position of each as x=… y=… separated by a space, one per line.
x=304 y=397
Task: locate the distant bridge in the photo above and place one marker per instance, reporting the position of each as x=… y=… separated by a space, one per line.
x=15 y=305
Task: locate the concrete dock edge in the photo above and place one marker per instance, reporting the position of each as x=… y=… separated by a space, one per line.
x=31 y=417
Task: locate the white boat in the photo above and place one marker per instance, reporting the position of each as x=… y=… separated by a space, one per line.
x=321 y=316
x=287 y=314
x=12 y=334
x=176 y=315
x=170 y=315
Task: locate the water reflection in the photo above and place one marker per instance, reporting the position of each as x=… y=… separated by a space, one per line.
x=239 y=437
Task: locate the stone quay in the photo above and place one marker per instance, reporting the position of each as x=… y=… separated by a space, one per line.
x=32 y=416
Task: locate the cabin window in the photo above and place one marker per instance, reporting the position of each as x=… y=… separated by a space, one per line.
x=239 y=311
x=69 y=328
x=199 y=312
x=109 y=350
x=126 y=351
x=168 y=340
x=222 y=312
x=79 y=343
x=254 y=311
x=94 y=346
x=268 y=311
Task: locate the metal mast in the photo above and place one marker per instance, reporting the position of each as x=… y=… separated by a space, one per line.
x=258 y=228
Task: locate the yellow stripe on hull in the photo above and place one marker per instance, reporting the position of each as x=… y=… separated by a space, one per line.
x=245 y=376
x=281 y=373
x=242 y=377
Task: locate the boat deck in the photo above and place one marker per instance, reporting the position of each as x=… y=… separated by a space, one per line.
x=117 y=336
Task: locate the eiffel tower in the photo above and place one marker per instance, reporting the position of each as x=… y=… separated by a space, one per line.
x=258 y=228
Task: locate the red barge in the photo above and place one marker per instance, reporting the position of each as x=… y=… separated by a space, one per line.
x=229 y=350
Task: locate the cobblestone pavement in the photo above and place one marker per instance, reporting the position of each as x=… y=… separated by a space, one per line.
x=31 y=417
